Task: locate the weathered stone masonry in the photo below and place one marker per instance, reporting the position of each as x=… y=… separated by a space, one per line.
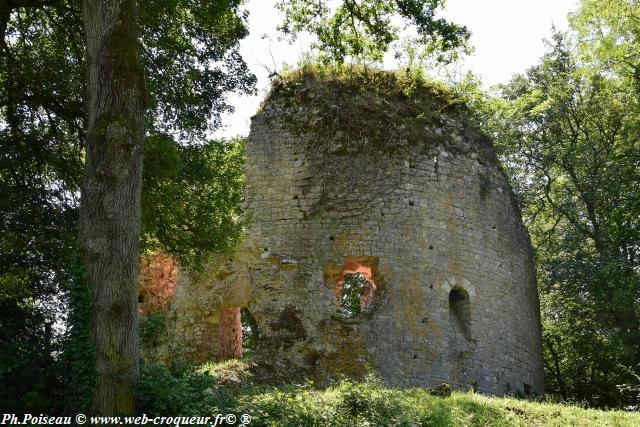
x=342 y=181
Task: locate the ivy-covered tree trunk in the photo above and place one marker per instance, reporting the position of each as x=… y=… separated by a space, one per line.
x=110 y=211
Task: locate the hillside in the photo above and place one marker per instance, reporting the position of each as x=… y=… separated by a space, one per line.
x=227 y=388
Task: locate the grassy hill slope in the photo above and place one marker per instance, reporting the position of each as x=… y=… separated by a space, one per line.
x=227 y=388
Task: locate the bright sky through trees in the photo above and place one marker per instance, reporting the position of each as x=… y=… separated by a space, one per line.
x=507 y=36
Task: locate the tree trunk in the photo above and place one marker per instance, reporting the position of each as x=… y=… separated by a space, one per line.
x=111 y=192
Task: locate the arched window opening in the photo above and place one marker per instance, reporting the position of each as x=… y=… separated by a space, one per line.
x=460 y=311
x=355 y=283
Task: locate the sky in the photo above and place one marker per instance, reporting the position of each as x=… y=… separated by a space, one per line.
x=507 y=36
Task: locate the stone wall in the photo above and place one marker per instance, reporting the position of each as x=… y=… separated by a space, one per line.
x=344 y=176
x=158 y=277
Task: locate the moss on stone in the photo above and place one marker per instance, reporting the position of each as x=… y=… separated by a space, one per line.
x=358 y=108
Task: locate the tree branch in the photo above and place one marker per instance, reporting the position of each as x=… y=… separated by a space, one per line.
x=19 y=4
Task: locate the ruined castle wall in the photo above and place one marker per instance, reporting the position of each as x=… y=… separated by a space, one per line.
x=157 y=283
x=356 y=175
x=203 y=306
x=435 y=215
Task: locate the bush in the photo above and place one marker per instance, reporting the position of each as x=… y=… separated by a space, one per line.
x=367 y=403
x=185 y=391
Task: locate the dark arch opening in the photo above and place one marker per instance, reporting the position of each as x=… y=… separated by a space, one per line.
x=460 y=311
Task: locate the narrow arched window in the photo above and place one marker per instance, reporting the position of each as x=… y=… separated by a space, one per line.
x=460 y=311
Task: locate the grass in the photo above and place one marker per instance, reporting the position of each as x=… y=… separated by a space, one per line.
x=227 y=388
x=361 y=404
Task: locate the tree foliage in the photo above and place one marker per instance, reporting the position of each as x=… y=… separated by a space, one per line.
x=191 y=198
x=568 y=134
x=365 y=29
x=190 y=52
x=609 y=36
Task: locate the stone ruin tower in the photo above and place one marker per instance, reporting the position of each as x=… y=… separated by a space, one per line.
x=382 y=235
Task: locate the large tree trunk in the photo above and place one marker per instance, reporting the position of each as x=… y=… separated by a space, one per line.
x=110 y=211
